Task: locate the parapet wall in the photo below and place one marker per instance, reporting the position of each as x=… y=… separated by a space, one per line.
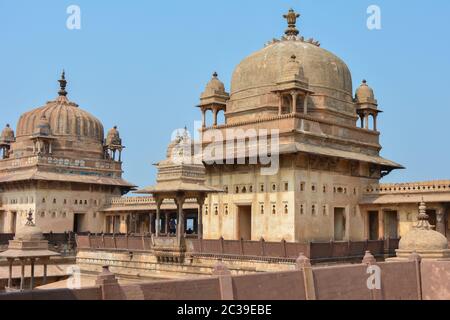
x=408 y=280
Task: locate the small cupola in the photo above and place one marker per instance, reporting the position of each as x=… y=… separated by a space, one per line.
x=7 y=137
x=292 y=88
x=42 y=138
x=43 y=127
x=113 y=143
x=365 y=95
x=366 y=106
x=214 y=99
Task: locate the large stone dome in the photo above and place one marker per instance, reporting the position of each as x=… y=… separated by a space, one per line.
x=65 y=119
x=74 y=131
x=256 y=79
x=263 y=68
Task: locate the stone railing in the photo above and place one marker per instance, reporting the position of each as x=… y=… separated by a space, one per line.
x=131 y=201
x=241 y=249
x=413 y=187
x=93 y=164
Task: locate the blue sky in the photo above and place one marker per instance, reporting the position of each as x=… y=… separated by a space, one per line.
x=142 y=65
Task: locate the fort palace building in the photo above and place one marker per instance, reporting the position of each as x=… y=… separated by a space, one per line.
x=57 y=164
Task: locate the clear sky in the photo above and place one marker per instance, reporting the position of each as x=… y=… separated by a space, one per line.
x=142 y=65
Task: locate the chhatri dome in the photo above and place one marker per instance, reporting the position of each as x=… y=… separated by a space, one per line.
x=7 y=134
x=364 y=94
x=73 y=128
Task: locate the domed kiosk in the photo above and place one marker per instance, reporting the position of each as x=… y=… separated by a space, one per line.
x=28 y=246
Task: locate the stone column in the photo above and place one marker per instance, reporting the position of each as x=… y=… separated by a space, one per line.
x=280 y=103
x=305 y=104
x=440 y=220
x=366 y=121
x=381 y=224
x=203 y=118
x=158 y=216
x=166 y=223
x=32 y=274
x=10 y=262
x=22 y=274
x=201 y=202
x=375 y=122
x=180 y=220
x=215 y=111
x=294 y=96
x=44 y=279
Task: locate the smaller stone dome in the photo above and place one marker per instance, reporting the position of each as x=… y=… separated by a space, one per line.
x=293 y=68
x=113 y=137
x=422 y=238
x=43 y=127
x=365 y=94
x=7 y=134
x=214 y=87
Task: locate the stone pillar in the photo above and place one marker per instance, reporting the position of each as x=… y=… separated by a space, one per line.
x=201 y=202
x=225 y=281
x=440 y=220
x=32 y=274
x=166 y=223
x=109 y=285
x=366 y=121
x=280 y=104
x=215 y=111
x=303 y=264
x=381 y=224
x=375 y=122
x=305 y=104
x=10 y=262
x=180 y=219
x=44 y=279
x=294 y=96
x=203 y=118
x=22 y=274
x=158 y=216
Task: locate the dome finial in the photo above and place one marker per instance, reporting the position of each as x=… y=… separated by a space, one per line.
x=215 y=75
x=30 y=219
x=63 y=84
x=291 y=18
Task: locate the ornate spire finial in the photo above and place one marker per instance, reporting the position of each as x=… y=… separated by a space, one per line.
x=63 y=84
x=423 y=217
x=30 y=219
x=215 y=75
x=291 y=18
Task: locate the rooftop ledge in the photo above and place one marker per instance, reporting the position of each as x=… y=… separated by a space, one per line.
x=410 y=187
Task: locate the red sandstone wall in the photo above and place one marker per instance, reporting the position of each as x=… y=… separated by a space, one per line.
x=190 y=289
x=56 y=294
x=399 y=281
x=436 y=280
x=342 y=283
x=270 y=286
